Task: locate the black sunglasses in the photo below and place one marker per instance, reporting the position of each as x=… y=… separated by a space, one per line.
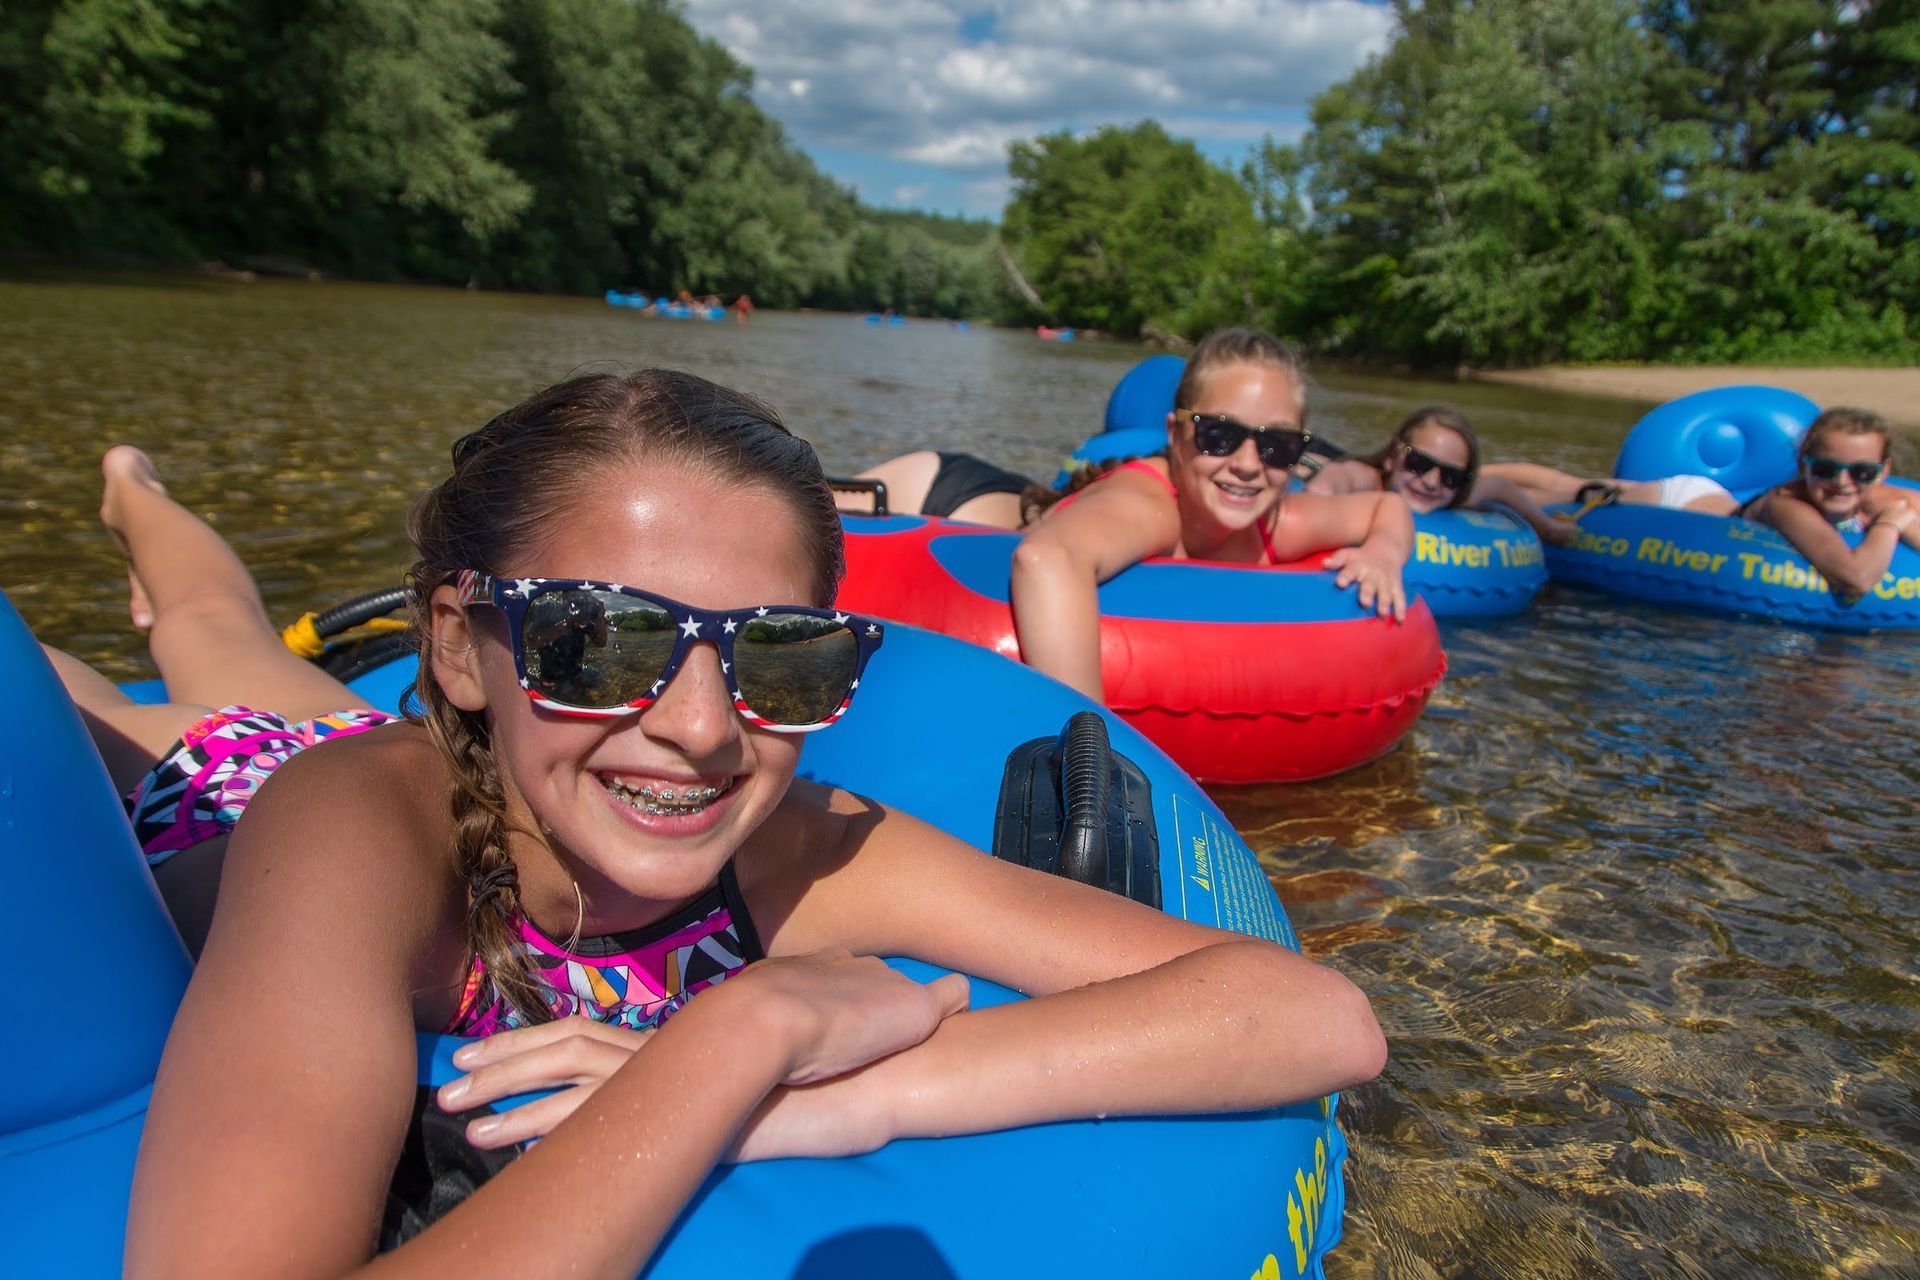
x=1218 y=436
x=1418 y=463
x=1830 y=469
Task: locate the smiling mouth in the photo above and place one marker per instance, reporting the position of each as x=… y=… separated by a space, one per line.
x=1236 y=490
x=664 y=800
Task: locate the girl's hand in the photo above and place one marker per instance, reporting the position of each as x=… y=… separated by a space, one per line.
x=1900 y=515
x=844 y=1011
x=859 y=1012
x=845 y=1116
x=1377 y=578
x=1558 y=531
x=574 y=1055
x=1903 y=517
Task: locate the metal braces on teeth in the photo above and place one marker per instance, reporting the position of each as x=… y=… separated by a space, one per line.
x=668 y=799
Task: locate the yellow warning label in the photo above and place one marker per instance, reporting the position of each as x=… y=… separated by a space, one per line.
x=1221 y=882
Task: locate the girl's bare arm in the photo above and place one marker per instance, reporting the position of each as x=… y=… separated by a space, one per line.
x=1059 y=566
x=1851 y=571
x=1137 y=1011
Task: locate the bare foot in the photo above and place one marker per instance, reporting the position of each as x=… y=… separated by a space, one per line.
x=124 y=465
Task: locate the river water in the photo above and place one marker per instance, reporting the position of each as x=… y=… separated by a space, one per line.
x=1636 y=902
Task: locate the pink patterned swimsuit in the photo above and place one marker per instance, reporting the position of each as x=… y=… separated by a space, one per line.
x=637 y=979
x=199 y=788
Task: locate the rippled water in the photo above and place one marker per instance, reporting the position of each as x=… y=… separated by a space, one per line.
x=1636 y=904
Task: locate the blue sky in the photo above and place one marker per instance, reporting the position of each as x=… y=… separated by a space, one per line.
x=913 y=102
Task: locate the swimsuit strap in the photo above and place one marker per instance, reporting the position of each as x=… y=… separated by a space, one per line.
x=1135 y=464
x=1267 y=531
x=736 y=902
x=1142 y=465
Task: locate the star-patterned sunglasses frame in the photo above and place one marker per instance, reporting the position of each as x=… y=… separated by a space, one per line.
x=788 y=668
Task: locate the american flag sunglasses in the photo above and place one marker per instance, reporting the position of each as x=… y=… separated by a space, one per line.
x=590 y=648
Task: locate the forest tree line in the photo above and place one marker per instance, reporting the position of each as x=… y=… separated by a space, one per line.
x=1518 y=181
x=572 y=145
x=1507 y=182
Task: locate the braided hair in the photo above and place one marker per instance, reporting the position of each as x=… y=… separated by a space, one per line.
x=511 y=481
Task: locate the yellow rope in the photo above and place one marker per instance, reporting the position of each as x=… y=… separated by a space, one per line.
x=1591 y=504
x=303 y=639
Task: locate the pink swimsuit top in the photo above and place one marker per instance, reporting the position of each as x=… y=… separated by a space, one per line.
x=637 y=979
x=1146 y=468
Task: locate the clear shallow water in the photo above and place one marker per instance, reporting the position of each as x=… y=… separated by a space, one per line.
x=1639 y=924
x=1635 y=903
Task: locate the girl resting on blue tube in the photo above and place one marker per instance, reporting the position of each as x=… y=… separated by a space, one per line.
x=1844 y=461
x=1432 y=459
x=623 y=596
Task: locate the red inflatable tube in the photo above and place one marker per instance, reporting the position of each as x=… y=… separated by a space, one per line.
x=1241 y=674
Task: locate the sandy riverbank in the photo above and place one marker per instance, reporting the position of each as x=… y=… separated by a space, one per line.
x=1893 y=392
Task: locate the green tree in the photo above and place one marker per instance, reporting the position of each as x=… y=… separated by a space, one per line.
x=1129 y=227
x=88 y=90
x=1482 y=190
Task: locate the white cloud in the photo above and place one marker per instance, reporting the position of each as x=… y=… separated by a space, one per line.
x=963 y=150
x=900 y=79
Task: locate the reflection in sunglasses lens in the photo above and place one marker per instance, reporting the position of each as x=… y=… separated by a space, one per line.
x=595 y=648
x=794 y=668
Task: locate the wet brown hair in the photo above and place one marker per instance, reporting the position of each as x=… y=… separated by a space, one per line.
x=1225 y=347
x=1218 y=350
x=1843 y=421
x=1438 y=415
x=513 y=480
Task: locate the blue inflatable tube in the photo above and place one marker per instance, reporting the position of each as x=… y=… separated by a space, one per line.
x=1475 y=563
x=1143 y=397
x=1467 y=563
x=1726 y=565
x=1245 y=1194
x=1747 y=438
x=74 y=1078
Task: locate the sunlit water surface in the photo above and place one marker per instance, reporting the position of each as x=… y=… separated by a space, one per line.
x=1636 y=903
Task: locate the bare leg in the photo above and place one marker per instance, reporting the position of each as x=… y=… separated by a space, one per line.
x=129 y=735
x=1001 y=510
x=1647 y=493
x=1715 y=504
x=210 y=635
x=910 y=476
x=907 y=477
x=189 y=882
x=1543 y=484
